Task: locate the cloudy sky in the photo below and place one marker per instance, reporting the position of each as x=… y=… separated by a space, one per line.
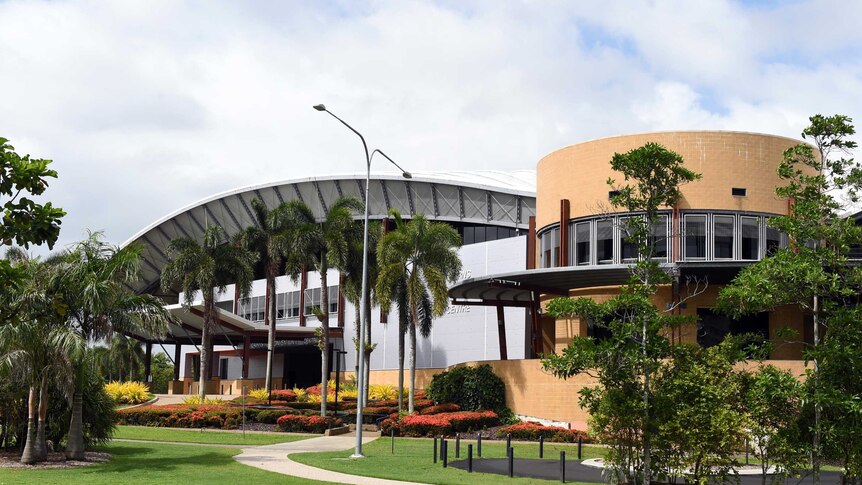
x=149 y=106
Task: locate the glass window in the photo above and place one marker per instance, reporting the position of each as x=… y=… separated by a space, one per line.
x=253 y=308
x=312 y=299
x=226 y=305
x=750 y=248
x=722 y=235
x=582 y=243
x=333 y=300
x=629 y=245
x=550 y=248
x=658 y=238
x=469 y=235
x=480 y=234
x=695 y=237
x=605 y=241
x=287 y=305
x=773 y=240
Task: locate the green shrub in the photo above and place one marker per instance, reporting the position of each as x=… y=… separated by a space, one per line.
x=270 y=416
x=471 y=388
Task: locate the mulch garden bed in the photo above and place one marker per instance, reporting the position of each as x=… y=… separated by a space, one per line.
x=12 y=459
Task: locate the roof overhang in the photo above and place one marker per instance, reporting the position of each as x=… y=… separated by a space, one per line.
x=522 y=288
x=229 y=329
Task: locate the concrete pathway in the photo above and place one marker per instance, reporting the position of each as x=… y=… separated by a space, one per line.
x=275 y=459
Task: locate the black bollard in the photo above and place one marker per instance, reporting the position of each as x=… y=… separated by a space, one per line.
x=393 y=441
x=457 y=445
x=508 y=440
x=435 y=449
x=746 y=451
x=470 y=458
x=541 y=446
x=444 y=454
x=511 y=456
x=563 y=466
x=580 y=447
x=479 y=446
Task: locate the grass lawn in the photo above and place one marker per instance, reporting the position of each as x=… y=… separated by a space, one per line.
x=206 y=436
x=413 y=460
x=150 y=464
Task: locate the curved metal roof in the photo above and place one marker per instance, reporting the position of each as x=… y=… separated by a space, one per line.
x=505 y=199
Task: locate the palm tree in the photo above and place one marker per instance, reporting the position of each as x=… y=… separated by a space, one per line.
x=97 y=302
x=322 y=245
x=126 y=354
x=37 y=348
x=419 y=257
x=352 y=288
x=269 y=239
x=208 y=267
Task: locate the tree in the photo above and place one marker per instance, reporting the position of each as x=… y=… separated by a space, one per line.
x=163 y=373
x=207 y=267
x=352 y=288
x=97 y=302
x=625 y=361
x=269 y=239
x=814 y=272
x=773 y=401
x=698 y=413
x=418 y=258
x=321 y=245
x=38 y=347
x=24 y=221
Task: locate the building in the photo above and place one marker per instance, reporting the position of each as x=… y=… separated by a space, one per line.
x=489 y=209
x=524 y=245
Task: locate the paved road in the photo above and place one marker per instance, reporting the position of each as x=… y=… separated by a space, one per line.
x=275 y=459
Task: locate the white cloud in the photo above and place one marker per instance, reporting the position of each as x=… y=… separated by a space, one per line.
x=148 y=106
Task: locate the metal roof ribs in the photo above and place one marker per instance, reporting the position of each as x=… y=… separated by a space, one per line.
x=196 y=221
x=156 y=248
x=248 y=211
x=461 y=202
x=278 y=194
x=361 y=189
x=230 y=213
x=489 y=206
x=320 y=197
x=434 y=200
x=338 y=188
x=385 y=195
x=181 y=228
x=409 y=197
x=298 y=193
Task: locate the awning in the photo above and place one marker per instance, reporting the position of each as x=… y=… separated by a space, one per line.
x=517 y=288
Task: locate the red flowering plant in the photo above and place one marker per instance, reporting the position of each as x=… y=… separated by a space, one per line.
x=441 y=408
x=306 y=424
x=286 y=395
x=530 y=431
x=443 y=423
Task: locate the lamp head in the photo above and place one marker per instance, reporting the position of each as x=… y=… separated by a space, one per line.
x=320 y=107
x=407 y=175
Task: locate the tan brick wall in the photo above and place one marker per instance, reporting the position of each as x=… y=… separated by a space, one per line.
x=725 y=159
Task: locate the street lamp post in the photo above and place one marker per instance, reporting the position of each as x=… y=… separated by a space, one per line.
x=363 y=301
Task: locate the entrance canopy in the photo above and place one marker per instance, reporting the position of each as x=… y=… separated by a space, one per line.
x=522 y=288
x=229 y=329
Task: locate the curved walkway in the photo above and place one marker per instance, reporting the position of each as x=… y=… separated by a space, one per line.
x=275 y=458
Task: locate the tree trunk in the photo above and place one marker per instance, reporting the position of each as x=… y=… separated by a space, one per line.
x=270 y=291
x=31 y=449
x=400 y=368
x=43 y=415
x=209 y=311
x=324 y=336
x=815 y=455
x=75 y=445
x=412 y=363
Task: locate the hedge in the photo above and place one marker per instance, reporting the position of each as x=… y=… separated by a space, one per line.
x=182 y=416
x=307 y=424
x=441 y=408
x=529 y=431
x=419 y=425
